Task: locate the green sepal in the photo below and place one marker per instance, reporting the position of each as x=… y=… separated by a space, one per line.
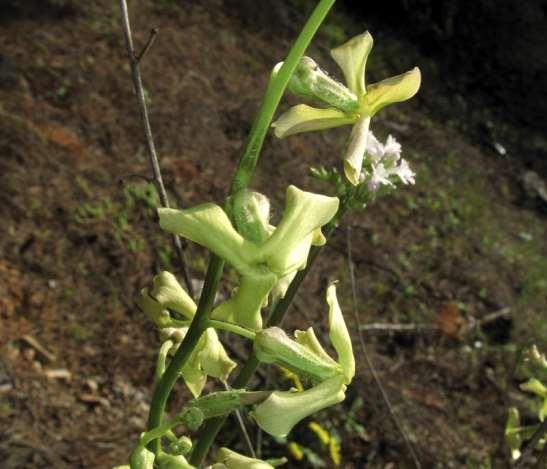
x=309 y=81
x=272 y=345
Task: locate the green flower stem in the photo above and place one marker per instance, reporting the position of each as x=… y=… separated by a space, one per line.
x=162 y=358
x=159 y=431
x=242 y=178
x=211 y=428
x=274 y=93
x=197 y=327
x=228 y=326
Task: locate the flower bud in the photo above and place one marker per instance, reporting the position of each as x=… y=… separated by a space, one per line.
x=278 y=414
x=141 y=458
x=153 y=309
x=192 y=417
x=170 y=461
x=272 y=345
x=169 y=293
x=181 y=446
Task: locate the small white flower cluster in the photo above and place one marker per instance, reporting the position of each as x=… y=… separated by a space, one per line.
x=385 y=162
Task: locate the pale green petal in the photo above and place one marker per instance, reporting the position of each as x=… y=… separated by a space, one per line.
x=229 y=459
x=304 y=213
x=213 y=358
x=308 y=339
x=535 y=386
x=170 y=461
x=141 y=458
x=303 y=118
x=209 y=226
x=244 y=306
x=153 y=309
x=193 y=375
x=391 y=90
x=339 y=335
x=282 y=285
x=352 y=59
x=318 y=239
x=355 y=151
x=278 y=414
x=168 y=292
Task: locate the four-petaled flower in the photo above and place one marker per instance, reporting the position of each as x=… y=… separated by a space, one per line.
x=354 y=104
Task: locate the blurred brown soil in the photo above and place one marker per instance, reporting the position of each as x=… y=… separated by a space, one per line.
x=78 y=239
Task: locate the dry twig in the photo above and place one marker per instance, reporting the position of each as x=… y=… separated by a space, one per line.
x=368 y=361
x=143 y=110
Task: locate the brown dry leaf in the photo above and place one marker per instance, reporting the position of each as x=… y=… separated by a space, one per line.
x=449 y=320
x=63 y=136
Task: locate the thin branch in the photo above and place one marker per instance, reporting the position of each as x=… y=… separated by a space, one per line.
x=388 y=327
x=143 y=110
x=414 y=327
x=531 y=445
x=368 y=361
x=153 y=33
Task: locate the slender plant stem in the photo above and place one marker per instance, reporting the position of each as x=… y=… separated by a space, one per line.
x=143 y=110
x=242 y=179
x=211 y=428
x=276 y=88
x=530 y=446
x=368 y=361
x=197 y=327
x=231 y=327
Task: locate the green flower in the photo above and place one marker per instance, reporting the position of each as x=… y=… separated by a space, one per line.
x=209 y=358
x=262 y=255
x=280 y=412
x=354 y=104
x=305 y=355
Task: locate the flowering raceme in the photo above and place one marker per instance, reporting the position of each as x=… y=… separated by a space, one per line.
x=262 y=255
x=353 y=104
